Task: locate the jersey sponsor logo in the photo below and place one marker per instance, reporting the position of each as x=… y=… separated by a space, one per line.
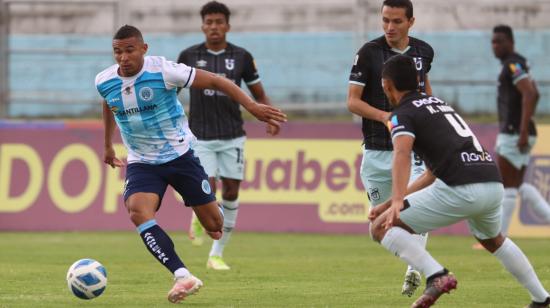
x=134 y=110
x=201 y=63
x=469 y=157
x=206 y=187
x=114 y=100
x=230 y=64
x=146 y=94
x=427 y=101
x=128 y=90
x=355 y=75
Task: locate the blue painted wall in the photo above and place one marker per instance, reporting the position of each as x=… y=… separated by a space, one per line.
x=295 y=67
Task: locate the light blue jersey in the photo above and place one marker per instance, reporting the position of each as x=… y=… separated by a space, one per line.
x=152 y=122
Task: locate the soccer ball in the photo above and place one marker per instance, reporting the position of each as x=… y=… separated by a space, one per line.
x=87 y=278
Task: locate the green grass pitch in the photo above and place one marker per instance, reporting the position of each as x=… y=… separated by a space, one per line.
x=269 y=270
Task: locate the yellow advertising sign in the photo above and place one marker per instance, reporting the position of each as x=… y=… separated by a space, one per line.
x=306 y=171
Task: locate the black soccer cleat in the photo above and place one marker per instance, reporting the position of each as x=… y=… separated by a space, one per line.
x=435 y=287
x=545 y=304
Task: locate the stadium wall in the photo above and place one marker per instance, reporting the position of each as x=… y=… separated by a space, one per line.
x=53 y=75
x=307 y=180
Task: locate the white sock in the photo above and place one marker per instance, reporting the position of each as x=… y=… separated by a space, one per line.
x=230 y=210
x=182 y=272
x=508 y=206
x=535 y=200
x=517 y=264
x=422 y=239
x=402 y=244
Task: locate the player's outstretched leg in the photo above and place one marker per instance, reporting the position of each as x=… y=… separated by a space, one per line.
x=532 y=197
x=161 y=246
x=401 y=243
x=515 y=262
x=413 y=279
x=196 y=231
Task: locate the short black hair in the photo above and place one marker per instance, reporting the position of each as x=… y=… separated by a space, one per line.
x=215 y=7
x=127 y=31
x=401 y=69
x=406 y=4
x=506 y=30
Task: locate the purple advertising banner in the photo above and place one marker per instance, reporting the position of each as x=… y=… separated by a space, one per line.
x=306 y=180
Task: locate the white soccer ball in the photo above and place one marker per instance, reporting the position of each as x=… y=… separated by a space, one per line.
x=87 y=278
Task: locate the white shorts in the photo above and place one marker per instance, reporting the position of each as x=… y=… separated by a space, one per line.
x=222 y=158
x=439 y=205
x=507 y=147
x=376 y=174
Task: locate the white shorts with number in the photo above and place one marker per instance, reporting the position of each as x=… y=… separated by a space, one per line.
x=222 y=158
x=376 y=174
x=440 y=205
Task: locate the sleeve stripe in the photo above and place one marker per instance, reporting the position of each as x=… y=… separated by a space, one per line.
x=402 y=133
x=191 y=71
x=357 y=83
x=253 y=82
x=520 y=77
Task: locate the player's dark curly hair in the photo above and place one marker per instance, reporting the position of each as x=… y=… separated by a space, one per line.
x=215 y=7
x=401 y=69
x=406 y=4
x=506 y=30
x=127 y=31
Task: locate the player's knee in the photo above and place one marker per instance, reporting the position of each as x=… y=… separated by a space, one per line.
x=137 y=216
x=493 y=244
x=213 y=223
x=230 y=194
x=377 y=231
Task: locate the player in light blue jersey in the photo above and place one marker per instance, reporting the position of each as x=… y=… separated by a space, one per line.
x=140 y=96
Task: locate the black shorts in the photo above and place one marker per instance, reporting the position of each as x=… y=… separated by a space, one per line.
x=185 y=174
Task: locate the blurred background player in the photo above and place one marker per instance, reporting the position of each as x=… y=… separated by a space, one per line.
x=366 y=99
x=140 y=95
x=517 y=101
x=453 y=188
x=216 y=119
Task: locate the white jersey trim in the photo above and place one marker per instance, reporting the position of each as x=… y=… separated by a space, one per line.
x=357 y=83
x=401 y=134
x=253 y=82
x=520 y=77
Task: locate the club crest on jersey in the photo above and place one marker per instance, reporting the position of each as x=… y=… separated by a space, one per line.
x=206 y=187
x=201 y=63
x=374 y=194
x=230 y=64
x=146 y=94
